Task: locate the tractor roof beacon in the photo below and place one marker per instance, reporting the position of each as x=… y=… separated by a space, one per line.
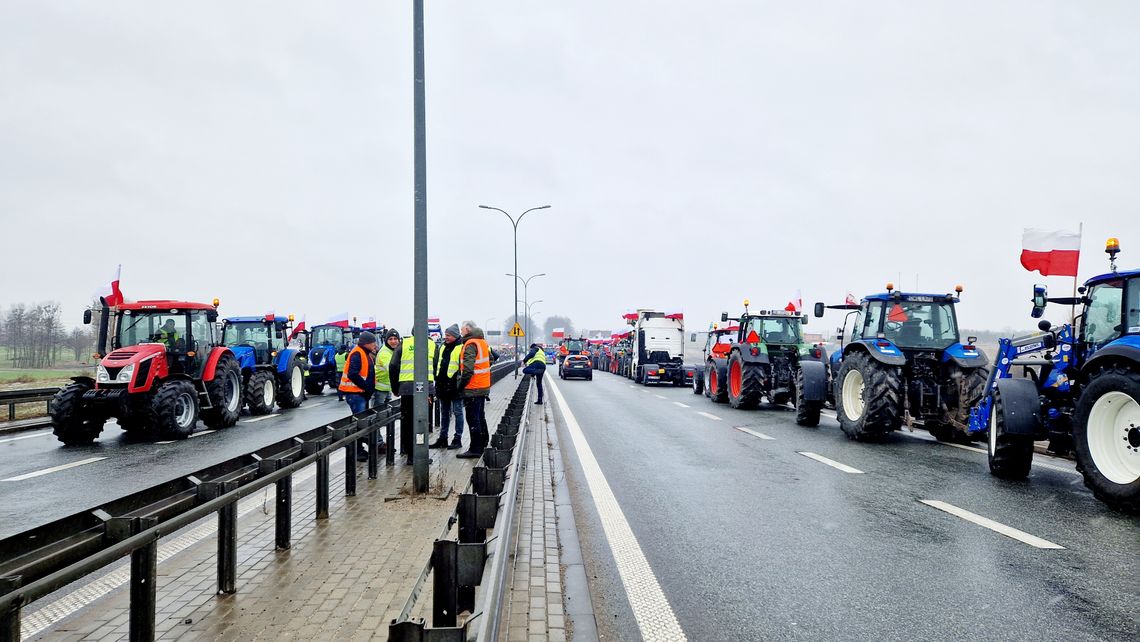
x=162 y=366
x=905 y=363
x=272 y=371
x=1082 y=393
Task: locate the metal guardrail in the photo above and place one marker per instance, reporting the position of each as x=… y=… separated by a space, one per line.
x=12 y=398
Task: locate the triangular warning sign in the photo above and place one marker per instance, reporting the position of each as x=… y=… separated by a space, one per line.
x=516 y=331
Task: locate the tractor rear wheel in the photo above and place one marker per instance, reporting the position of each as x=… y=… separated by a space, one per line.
x=70 y=423
x=176 y=407
x=745 y=382
x=807 y=412
x=1106 y=434
x=291 y=387
x=224 y=391
x=1010 y=456
x=717 y=391
x=698 y=383
x=869 y=398
x=971 y=387
x=260 y=390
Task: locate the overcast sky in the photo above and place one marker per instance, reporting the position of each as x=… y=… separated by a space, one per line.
x=693 y=153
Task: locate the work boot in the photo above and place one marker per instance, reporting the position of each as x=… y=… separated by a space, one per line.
x=456 y=443
x=361 y=452
x=469 y=454
x=439 y=443
x=539 y=402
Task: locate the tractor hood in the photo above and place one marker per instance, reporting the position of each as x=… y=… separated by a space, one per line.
x=244 y=355
x=122 y=365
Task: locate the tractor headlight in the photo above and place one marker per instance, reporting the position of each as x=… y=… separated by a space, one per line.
x=126 y=374
x=101 y=375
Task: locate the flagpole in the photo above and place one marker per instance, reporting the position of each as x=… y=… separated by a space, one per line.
x=1077 y=274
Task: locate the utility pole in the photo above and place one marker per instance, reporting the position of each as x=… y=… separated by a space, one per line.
x=419 y=325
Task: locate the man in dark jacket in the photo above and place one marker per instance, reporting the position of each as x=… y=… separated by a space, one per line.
x=475 y=386
x=447 y=391
x=535 y=361
x=358 y=379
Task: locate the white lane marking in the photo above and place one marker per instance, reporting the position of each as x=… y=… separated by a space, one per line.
x=754 y=433
x=53 y=469
x=683 y=405
x=708 y=415
x=1036 y=462
x=829 y=413
x=965 y=447
x=163 y=443
x=631 y=385
x=38 y=434
x=997 y=527
x=261 y=418
x=199 y=434
x=50 y=614
x=650 y=607
x=660 y=396
x=831 y=462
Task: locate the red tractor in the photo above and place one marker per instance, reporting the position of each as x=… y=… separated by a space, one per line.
x=166 y=368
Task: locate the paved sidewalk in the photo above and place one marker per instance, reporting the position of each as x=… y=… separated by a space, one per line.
x=345 y=578
x=534 y=610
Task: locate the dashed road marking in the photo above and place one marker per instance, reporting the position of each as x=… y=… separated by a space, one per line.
x=683 y=405
x=53 y=469
x=1036 y=463
x=997 y=527
x=261 y=418
x=754 y=433
x=831 y=462
x=38 y=434
x=660 y=396
x=199 y=434
x=708 y=415
x=163 y=443
x=655 y=618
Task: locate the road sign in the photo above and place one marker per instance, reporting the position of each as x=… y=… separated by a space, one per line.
x=516 y=331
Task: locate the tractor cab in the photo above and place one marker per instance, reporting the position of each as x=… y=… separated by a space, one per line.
x=272 y=371
x=181 y=333
x=256 y=340
x=720 y=340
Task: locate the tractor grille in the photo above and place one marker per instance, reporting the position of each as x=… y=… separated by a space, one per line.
x=113 y=371
x=121 y=354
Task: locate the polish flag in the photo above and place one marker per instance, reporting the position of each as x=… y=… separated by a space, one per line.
x=370 y=324
x=796 y=304
x=558 y=333
x=340 y=320
x=111 y=294
x=851 y=299
x=677 y=316
x=1050 y=252
x=298 y=329
x=271 y=315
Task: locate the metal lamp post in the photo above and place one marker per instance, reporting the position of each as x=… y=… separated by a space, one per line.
x=420 y=307
x=515 y=225
x=526 y=282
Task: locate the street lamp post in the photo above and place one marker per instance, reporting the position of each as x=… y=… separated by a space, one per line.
x=529 y=313
x=419 y=306
x=515 y=225
x=526 y=282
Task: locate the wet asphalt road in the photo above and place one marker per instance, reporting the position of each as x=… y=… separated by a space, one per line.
x=751 y=540
x=130 y=464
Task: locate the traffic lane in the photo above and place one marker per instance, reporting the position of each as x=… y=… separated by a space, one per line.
x=821 y=532
x=131 y=464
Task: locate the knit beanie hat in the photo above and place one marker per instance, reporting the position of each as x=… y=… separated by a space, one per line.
x=366 y=337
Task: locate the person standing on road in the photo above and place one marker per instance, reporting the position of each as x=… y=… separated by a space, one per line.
x=358 y=379
x=475 y=386
x=535 y=361
x=446 y=389
x=383 y=360
x=402 y=369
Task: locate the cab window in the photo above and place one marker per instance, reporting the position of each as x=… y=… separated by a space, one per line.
x=1102 y=321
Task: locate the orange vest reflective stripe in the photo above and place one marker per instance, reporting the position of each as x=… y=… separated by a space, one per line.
x=346 y=384
x=481 y=377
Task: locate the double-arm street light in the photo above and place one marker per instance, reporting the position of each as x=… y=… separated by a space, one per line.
x=515 y=226
x=526 y=282
x=529 y=313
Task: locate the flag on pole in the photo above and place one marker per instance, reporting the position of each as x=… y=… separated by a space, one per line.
x=796 y=304
x=370 y=324
x=297 y=329
x=1051 y=252
x=558 y=333
x=340 y=320
x=271 y=315
x=851 y=300
x=110 y=293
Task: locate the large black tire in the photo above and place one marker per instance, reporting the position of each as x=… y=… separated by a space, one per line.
x=175 y=406
x=314 y=385
x=291 y=385
x=260 y=391
x=70 y=422
x=699 y=383
x=1106 y=436
x=1010 y=456
x=224 y=391
x=875 y=404
x=971 y=386
x=807 y=412
x=718 y=390
x=745 y=382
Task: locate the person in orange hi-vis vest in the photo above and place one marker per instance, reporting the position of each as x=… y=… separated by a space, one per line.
x=474 y=386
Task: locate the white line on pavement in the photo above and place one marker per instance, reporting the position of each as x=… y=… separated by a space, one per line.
x=660 y=396
x=754 y=433
x=47 y=616
x=53 y=469
x=1036 y=461
x=683 y=405
x=199 y=434
x=997 y=527
x=38 y=434
x=650 y=607
x=965 y=447
x=708 y=415
x=831 y=462
x=163 y=443
x=261 y=418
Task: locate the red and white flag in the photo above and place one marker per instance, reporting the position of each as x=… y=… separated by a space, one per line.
x=1052 y=253
x=297 y=329
x=370 y=324
x=796 y=304
x=558 y=333
x=340 y=319
x=851 y=299
x=271 y=315
x=111 y=294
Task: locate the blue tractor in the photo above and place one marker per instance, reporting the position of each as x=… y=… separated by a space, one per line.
x=272 y=372
x=1082 y=392
x=905 y=364
x=322 y=344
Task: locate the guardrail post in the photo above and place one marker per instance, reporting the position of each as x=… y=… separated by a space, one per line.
x=144 y=580
x=283 y=502
x=10 y=613
x=323 y=487
x=373 y=455
x=227 y=542
x=390 y=452
x=445 y=578
x=11 y=412
x=350 y=462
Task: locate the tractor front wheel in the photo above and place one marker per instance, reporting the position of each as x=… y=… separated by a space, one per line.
x=807 y=412
x=869 y=398
x=260 y=390
x=698 y=383
x=1106 y=434
x=224 y=391
x=69 y=421
x=745 y=383
x=1010 y=455
x=176 y=407
x=291 y=388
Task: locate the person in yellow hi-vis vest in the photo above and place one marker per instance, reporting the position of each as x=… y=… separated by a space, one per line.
x=402 y=370
x=383 y=360
x=446 y=390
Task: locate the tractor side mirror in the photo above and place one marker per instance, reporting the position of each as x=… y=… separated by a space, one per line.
x=211 y=315
x=804 y=319
x=971 y=340
x=839 y=335
x=1040 y=299
x=693 y=338
x=87 y=316
x=819 y=308
x=723 y=317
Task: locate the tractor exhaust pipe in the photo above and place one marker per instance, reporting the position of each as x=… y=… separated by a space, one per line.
x=104 y=317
